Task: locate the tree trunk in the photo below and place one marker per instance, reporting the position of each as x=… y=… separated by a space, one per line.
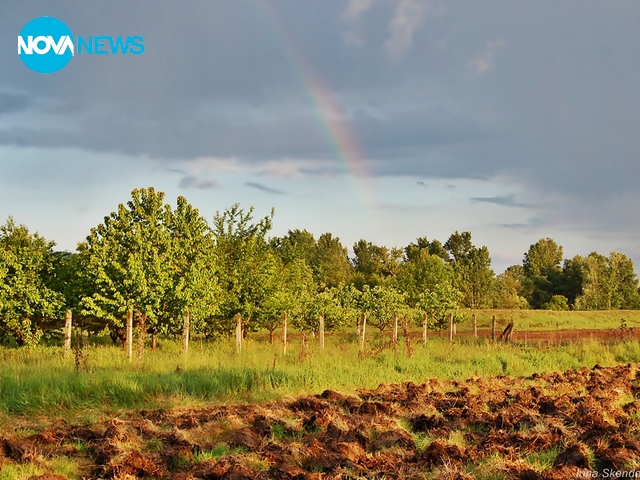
x=154 y=342
x=129 y=335
x=185 y=332
x=272 y=335
x=67 y=332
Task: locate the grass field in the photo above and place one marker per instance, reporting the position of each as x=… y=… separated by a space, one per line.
x=535 y=320
x=41 y=381
x=43 y=391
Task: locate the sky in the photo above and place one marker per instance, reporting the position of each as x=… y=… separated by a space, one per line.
x=386 y=120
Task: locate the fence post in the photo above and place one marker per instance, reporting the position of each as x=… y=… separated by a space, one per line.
x=424 y=329
x=321 y=332
x=395 y=328
x=475 y=326
x=129 y=334
x=362 y=327
x=284 y=333
x=493 y=328
x=67 y=332
x=238 y=333
x=185 y=332
x=141 y=334
x=451 y=328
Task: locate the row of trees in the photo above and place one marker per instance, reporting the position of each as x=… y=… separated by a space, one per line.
x=162 y=263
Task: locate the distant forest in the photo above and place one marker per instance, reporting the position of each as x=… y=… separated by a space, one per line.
x=160 y=261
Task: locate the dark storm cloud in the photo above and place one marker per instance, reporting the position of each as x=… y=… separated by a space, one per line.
x=195 y=182
x=543 y=93
x=10 y=103
x=504 y=200
x=264 y=188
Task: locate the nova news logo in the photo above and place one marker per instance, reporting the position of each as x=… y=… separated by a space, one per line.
x=46 y=45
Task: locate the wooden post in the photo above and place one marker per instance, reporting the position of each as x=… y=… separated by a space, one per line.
x=424 y=329
x=185 y=332
x=395 y=328
x=493 y=328
x=284 y=333
x=525 y=339
x=451 y=324
x=67 y=332
x=358 y=327
x=363 y=325
x=475 y=326
x=321 y=332
x=141 y=332
x=130 y=334
x=238 y=333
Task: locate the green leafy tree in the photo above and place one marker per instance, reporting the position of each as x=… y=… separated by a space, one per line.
x=326 y=304
x=245 y=267
x=374 y=264
x=421 y=274
x=332 y=265
x=608 y=283
x=413 y=251
x=439 y=303
x=26 y=261
x=194 y=269
x=543 y=258
x=289 y=289
x=381 y=304
x=509 y=289
x=543 y=272
x=130 y=257
x=473 y=275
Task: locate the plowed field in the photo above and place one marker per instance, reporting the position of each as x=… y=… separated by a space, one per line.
x=555 y=426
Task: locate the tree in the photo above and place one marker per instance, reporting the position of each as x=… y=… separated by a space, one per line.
x=289 y=288
x=422 y=274
x=439 y=303
x=245 y=266
x=326 y=304
x=473 y=275
x=130 y=258
x=543 y=258
x=608 y=283
x=509 y=288
x=327 y=257
x=26 y=260
x=543 y=273
x=332 y=265
x=374 y=263
x=381 y=304
x=413 y=251
x=194 y=283
x=151 y=260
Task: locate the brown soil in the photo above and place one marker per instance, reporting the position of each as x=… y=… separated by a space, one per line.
x=440 y=429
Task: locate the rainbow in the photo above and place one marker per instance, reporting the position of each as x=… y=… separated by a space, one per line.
x=335 y=128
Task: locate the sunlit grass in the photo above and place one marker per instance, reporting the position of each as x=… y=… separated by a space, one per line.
x=42 y=381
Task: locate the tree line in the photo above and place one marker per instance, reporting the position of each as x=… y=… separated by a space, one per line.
x=161 y=262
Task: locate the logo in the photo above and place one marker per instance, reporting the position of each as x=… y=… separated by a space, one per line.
x=46 y=45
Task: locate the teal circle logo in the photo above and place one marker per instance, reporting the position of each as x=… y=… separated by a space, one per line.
x=45 y=45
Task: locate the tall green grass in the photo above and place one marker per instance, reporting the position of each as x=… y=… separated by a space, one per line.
x=43 y=381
